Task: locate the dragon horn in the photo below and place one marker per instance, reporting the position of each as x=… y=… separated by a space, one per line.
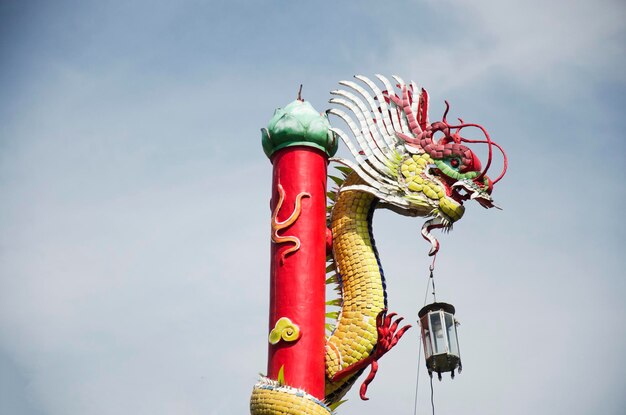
x=414 y=102
x=422 y=116
x=445 y=113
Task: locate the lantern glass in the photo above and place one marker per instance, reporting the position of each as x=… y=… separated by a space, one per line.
x=439 y=336
x=451 y=332
x=428 y=350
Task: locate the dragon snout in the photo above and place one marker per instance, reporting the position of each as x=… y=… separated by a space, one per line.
x=479 y=191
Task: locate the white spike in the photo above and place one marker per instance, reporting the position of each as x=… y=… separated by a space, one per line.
x=346 y=139
x=378 y=160
x=397 y=119
x=381 y=137
x=390 y=136
x=368 y=127
x=374 y=121
x=358 y=157
x=365 y=121
x=399 y=80
x=370 y=179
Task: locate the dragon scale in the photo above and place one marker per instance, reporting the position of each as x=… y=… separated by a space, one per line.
x=361 y=283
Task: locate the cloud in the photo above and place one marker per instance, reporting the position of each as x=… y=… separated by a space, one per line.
x=539 y=45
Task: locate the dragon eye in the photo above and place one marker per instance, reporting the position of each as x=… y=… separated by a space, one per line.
x=455 y=163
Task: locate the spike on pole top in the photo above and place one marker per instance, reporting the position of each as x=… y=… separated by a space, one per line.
x=298 y=124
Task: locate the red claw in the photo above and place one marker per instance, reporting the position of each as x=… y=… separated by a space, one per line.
x=368 y=380
x=388 y=337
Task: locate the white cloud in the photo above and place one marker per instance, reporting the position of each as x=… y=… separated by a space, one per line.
x=543 y=45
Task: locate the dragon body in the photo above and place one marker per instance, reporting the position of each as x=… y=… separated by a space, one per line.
x=362 y=285
x=398 y=164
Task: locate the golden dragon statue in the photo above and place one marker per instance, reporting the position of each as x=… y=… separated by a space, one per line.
x=402 y=162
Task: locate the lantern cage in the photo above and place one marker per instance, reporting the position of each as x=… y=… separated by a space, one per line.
x=441 y=344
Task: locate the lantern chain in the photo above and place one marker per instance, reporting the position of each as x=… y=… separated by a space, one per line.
x=430 y=280
x=432 y=401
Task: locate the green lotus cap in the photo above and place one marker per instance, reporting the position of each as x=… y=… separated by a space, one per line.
x=298 y=124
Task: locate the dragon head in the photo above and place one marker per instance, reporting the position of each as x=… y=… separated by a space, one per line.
x=414 y=167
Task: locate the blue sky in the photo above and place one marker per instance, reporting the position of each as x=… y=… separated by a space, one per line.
x=134 y=224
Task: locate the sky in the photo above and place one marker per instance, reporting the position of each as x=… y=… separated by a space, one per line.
x=134 y=222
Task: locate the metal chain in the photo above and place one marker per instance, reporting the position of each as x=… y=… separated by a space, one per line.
x=432 y=277
x=432 y=401
x=419 y=353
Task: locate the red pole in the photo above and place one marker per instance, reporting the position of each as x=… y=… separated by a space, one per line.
x=298 y=249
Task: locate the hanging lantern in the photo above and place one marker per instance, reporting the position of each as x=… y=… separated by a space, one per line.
x=441 y=345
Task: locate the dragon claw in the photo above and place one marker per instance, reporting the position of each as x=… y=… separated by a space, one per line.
x=388 y=337
x=389 y=317
x=394 y=326
x=368 y=380
x=379 y=318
